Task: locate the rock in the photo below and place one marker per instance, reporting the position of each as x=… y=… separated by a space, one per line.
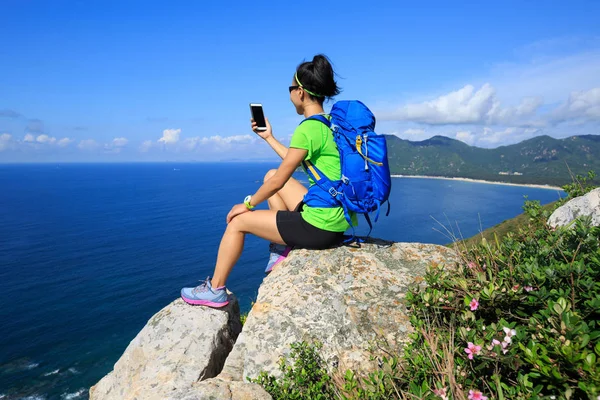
x=218 y=389
x=588 y=205
x=349 y=299
x=179 y=346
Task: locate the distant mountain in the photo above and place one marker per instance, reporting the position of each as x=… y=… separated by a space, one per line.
x=541 y=160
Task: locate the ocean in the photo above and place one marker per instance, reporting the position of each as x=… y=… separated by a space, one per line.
x=89 y=252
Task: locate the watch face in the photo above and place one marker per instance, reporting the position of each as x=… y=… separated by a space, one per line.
x=247 y=199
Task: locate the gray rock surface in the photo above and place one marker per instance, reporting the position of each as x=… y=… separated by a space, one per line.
x=179 y=346
x=218 y=389
x=349 y=299
x=588 y=205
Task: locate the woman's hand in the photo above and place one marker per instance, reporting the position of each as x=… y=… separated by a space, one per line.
x=235 y=211
x=263 y=134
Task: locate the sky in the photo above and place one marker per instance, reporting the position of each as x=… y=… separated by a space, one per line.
x=123 y=81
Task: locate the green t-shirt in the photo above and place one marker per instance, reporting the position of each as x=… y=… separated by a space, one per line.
x=317 y=139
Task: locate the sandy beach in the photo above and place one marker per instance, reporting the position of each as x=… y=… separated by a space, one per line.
x=479 y=181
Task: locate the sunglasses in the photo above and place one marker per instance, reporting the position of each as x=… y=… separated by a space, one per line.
x=292 y=88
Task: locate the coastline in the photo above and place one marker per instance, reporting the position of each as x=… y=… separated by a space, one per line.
x=480 y=181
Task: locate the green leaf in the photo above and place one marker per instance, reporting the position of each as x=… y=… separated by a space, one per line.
x=590 y=359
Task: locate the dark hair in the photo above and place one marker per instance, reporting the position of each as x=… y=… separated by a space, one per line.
x=317 y=76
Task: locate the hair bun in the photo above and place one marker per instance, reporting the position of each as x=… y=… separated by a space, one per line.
x=318 y=77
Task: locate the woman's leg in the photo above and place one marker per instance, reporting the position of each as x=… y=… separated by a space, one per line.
x=288 y=196
x=261 y=223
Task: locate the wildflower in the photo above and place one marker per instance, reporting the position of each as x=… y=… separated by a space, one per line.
x=476 y=395
x=441 y=392
x=528 y=288
x=495 y=342
x=472 y=350
x=509 y=333
x=515 y=288
x=472 y=265
x=483 y=328
x=474 y=304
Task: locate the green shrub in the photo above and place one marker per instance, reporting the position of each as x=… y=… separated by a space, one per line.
x=580 y=185
x=304 y=378
x=516 y=319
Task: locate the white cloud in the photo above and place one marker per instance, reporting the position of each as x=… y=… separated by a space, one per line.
x=88 y=144
x=581 y=106
x=465 y=136
x=116 y=145
x=490 y=138
x=467 y=106
x=45 y=139
x=215 y=142
x=462 y=106
x=120 y=142
x=414 y=132
x=64 y=142
x=170 y=136
x=5 y=141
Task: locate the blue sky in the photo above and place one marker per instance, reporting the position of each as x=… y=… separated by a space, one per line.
x=154 y=81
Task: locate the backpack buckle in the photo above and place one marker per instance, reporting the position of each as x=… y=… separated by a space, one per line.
x=333 y=192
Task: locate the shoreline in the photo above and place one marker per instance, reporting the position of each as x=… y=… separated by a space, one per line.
x=532 y=185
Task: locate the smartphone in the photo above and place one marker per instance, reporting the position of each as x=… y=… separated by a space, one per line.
x=258 y=116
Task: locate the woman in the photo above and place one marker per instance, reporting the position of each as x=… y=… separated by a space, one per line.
x=287 y=222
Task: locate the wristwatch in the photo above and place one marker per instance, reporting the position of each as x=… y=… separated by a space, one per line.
x=247 y=203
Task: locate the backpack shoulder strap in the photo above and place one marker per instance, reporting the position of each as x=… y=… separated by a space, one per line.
x=320 y=118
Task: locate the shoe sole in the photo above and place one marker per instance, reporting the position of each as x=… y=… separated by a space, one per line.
x=204 y=302
x=282 y=257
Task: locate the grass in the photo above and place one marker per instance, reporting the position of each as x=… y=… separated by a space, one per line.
x=499 y=231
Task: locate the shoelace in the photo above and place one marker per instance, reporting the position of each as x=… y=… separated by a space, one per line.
x=203 y=287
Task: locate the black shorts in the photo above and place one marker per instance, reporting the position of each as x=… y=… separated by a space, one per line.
x=296 y=232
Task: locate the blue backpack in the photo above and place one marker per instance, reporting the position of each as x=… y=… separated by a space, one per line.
x=365 y=184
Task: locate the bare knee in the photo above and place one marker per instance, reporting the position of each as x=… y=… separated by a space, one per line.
x=269 y=174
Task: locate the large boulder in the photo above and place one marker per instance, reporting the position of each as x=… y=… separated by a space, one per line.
x=587 y=205
x=178 y=347
x=349 y=299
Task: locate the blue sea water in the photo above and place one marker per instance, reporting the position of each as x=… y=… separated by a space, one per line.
x=89 y=252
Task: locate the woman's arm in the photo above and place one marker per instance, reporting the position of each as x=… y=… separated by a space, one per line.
x=292 y=159
x=287 y=167
x=267 y=135
x=276 y=145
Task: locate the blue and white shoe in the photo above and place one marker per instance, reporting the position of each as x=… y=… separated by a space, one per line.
x=205 y=295
x=278 y=253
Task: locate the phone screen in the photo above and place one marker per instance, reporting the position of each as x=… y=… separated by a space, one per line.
x=258 y=116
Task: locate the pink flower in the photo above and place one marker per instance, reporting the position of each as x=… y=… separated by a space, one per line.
x=509 y=334
x=472 y=350
x=474 y=304
x=472 y=265
x=441 y=392
x=476 y=395
x=495 y=342
x=528 y=288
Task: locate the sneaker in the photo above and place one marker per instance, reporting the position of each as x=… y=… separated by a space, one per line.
x=278 y=253
x=205 y=295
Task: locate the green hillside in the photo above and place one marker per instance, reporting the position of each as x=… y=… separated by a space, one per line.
x=541 y=160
